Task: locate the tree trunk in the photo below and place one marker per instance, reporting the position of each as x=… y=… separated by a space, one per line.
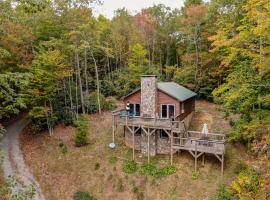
x=80 y=81
x=85 y=72
x=76 y=94
x=153 y=51
x=196 y=61
x=48 y=120
x=65 y=92
x=97 y=80
x=70 y=95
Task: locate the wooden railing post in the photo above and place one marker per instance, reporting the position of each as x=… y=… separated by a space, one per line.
x=195 y=156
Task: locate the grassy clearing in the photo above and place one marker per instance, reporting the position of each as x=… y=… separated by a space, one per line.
x=98 y=170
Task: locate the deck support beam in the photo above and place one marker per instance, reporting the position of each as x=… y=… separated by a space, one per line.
x=132 y=130
x=222 y=165
x=171 y=149
x=186 y=138
x=133 y=143
x=203 y=159
x=148 y=133
x=113 y=130
x=221 y=159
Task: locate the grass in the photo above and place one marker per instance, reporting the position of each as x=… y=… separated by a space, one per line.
x=97 y=169
x=4 y=190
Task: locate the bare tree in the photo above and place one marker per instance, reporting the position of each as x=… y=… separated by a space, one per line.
x=97 y=80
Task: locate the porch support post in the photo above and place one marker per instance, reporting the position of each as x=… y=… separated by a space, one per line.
x=203 y=159
x=195 y=156
x=148 y=146
x=113 y=130
x=171 y=148
x=133 y=135
x=222 y=164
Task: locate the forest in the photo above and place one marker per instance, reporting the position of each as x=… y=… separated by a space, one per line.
x=57 y=60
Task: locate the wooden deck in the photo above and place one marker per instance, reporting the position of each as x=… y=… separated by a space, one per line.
x=153 y=123
x=196 y=143
x=206 y=146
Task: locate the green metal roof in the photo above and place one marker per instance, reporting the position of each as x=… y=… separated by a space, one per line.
x=175 y=90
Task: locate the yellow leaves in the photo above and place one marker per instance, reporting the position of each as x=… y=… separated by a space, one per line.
x=248 y=185
x=250 y=39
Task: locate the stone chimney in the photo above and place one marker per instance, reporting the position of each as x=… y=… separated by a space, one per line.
x=148 y=96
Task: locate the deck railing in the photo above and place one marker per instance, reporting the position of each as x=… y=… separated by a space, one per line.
x=210 y=136
x=194 y=138
x=122 y=117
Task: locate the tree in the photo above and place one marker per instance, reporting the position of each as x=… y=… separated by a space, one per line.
x=49 y=71
x=246 y=89
x=188 y=3
x=13 y=97
x=192 y=32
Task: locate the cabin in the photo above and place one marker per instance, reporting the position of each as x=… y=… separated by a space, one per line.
x=158 y=100
x=157 y=121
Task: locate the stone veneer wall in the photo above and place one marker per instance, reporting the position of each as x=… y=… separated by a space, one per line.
x=148 y=96
x=157 y=145
x=129 y=140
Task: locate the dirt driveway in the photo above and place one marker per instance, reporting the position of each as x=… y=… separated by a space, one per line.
x=14 y=164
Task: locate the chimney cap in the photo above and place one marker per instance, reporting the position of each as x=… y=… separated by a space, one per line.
x=148 y=76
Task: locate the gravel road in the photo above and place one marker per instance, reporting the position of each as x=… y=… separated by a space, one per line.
x=14 y=164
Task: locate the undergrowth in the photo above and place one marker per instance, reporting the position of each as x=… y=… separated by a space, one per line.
x=149 y=169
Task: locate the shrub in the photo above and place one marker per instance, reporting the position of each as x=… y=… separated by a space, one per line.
x=120 y=186
x=65 y=116
x=130 y=167
x=168 y=170
x=97 y=166
x=63 y=147
x=149 y=169
x=82 y=196
x=2 y=131
x=195 y=175
x=112 y=159
x=247 y=185
x=223 y=194
x=110 y=103
x=91 y=102
x=82 y=130
x=8 y=190
x=39 y=120
x=138 y=191
x=240 y=166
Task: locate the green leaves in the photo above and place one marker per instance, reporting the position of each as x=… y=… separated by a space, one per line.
x=82 y=131
x=13 y=88
x=131 y=167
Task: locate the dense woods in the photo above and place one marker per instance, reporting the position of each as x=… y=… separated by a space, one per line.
x=57 y=60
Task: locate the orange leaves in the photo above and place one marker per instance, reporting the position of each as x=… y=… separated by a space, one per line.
x=144 y=21
x=195 y=14
x=17 y=39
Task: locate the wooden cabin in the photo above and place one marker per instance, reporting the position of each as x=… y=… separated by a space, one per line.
x=158 y=119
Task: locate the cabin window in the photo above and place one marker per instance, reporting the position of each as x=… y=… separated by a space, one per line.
x=183 y=107
x=164 y=111
x=167 y=111
x=138 y=110
x=135 y=109
x=163 y=134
